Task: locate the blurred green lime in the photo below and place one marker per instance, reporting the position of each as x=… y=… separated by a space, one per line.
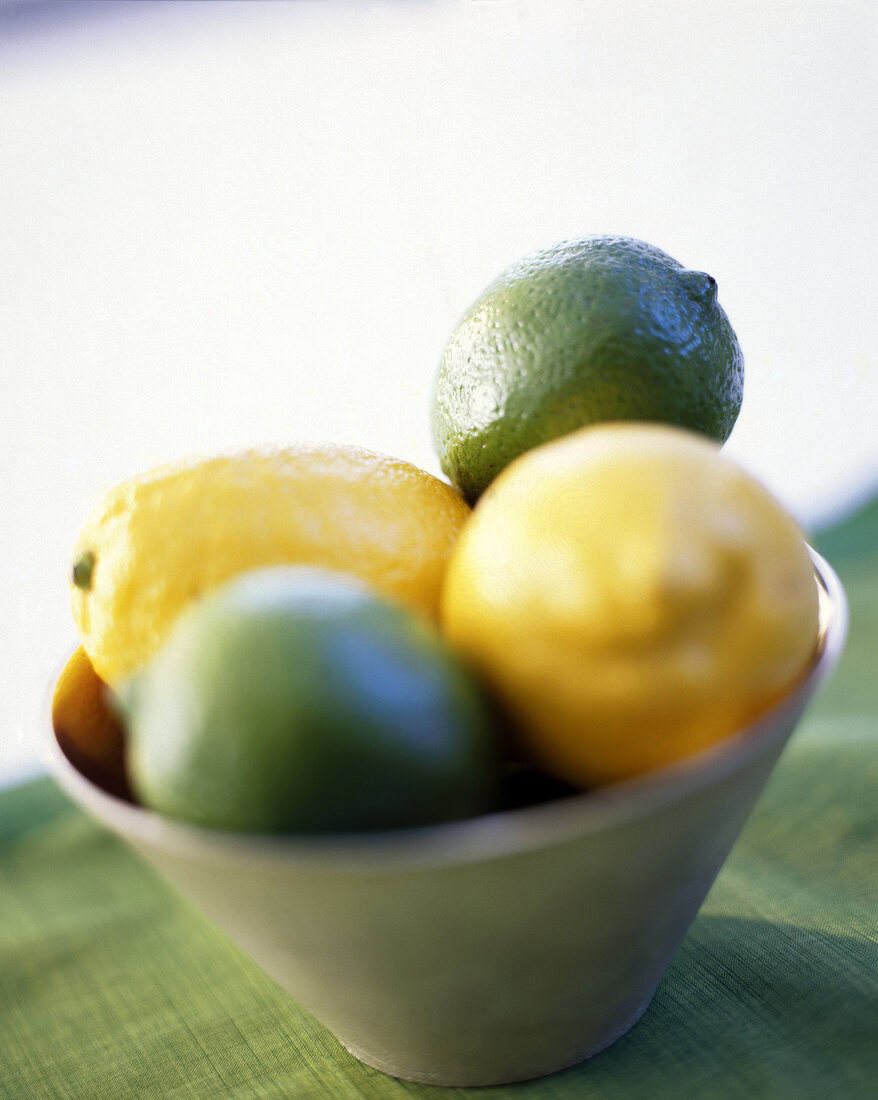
x=295 y=699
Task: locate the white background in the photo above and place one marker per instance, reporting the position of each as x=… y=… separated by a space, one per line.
x=224 y=224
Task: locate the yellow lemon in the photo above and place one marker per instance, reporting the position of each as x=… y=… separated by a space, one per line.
x=632 y=596
x=86 y=728
x=160 y=540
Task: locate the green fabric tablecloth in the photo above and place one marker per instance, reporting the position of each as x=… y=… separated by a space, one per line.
x=112 y=987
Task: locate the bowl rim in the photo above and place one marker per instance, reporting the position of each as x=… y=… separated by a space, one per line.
x=488 y=836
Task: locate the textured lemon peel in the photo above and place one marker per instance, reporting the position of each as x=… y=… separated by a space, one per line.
x=628 y=632
x=167 y=535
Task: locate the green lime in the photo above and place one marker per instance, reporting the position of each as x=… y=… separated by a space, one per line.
x=605 y=328
x=294 y=699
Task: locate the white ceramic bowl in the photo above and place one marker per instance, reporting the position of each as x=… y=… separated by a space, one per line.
x=490 y=950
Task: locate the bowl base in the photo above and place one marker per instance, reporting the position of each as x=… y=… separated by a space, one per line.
x=513 y=1074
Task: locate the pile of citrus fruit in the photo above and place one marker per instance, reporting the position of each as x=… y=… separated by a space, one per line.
x=323 y=638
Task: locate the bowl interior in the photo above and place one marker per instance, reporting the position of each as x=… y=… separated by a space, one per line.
x=502 y=831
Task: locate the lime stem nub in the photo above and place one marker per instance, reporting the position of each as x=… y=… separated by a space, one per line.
x=82 y=570
x=703 y=287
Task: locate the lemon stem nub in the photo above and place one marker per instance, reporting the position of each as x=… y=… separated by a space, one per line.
x=83 y=568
